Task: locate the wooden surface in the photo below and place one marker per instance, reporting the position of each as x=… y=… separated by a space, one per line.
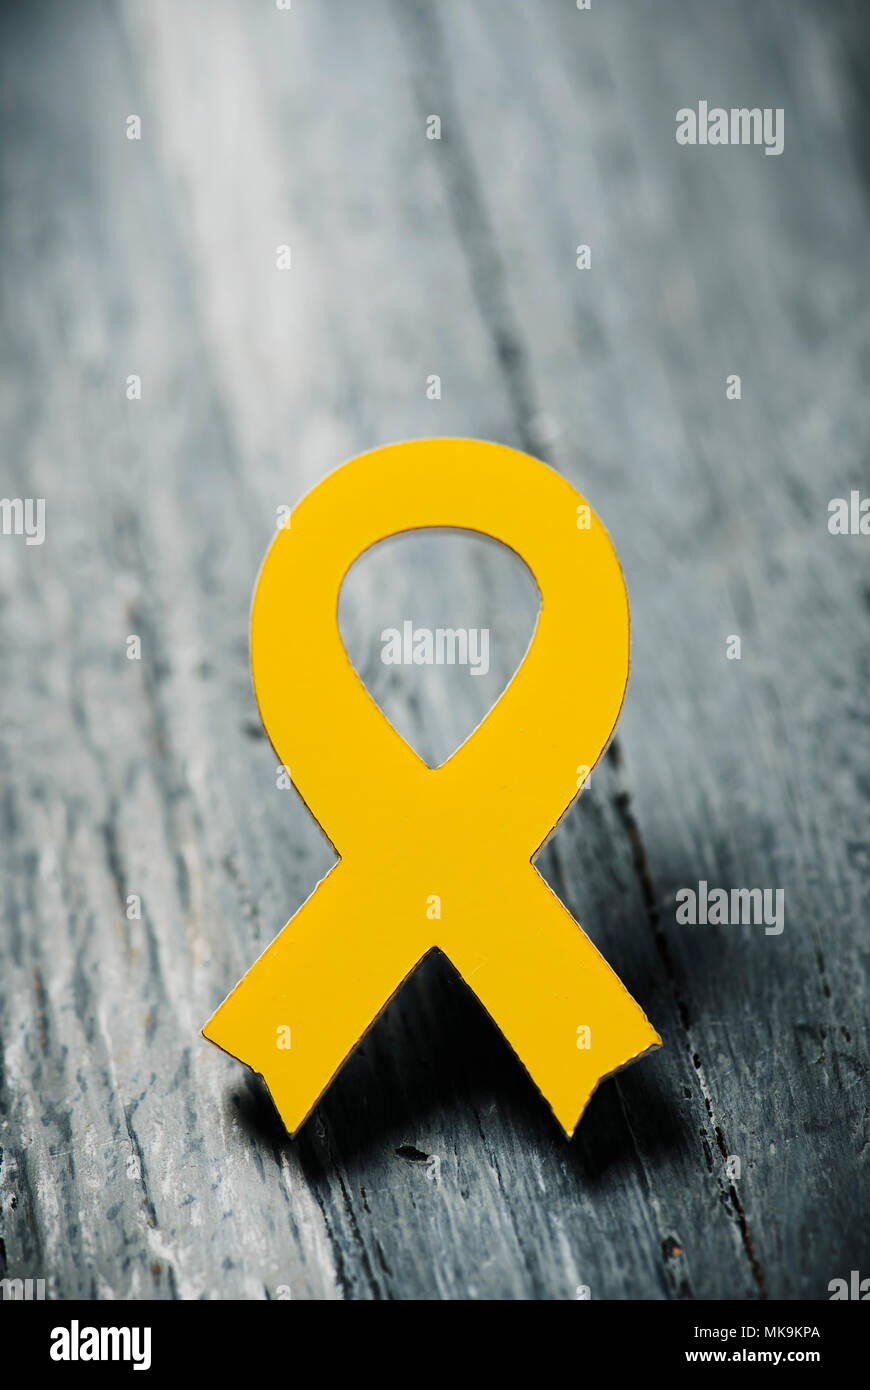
x=137 y=1161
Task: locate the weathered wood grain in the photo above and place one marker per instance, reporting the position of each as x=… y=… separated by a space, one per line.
x=137 y=1161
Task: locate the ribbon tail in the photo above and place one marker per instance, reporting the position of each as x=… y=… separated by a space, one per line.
x=565 y=1013
x=306 y=1002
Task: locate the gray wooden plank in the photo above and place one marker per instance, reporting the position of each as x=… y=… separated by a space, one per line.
x=136 y=1160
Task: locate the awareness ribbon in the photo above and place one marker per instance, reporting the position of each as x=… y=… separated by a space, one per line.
x=464 y=832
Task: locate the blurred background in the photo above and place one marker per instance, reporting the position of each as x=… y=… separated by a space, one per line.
x=278 y=271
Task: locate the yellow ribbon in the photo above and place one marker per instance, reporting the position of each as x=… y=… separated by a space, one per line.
x=463 y=833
